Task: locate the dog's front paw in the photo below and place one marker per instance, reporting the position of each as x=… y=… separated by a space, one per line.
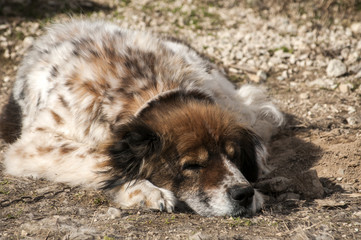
x=158 y=198
x=144 y=194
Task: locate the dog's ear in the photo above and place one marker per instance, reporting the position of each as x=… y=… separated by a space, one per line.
x=253 y=155
x=135 y=143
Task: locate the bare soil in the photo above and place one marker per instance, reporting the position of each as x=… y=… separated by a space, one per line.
x=318 y=152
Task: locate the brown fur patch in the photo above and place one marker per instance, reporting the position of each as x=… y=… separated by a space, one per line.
x=44 y=150
x=65 y=150
x=230 y=150
x=198 y=156
x=134 y=193
x=214 y=175
x=59 y=120
x=63 y=101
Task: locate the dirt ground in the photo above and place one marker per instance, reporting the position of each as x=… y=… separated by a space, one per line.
x=314 y=191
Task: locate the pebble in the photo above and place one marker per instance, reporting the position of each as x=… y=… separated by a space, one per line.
x=113 y=213
x=335 y=68
x=357 y=214
x=27 y=42
x=23 y=233
x=284 y=74
x=304 y=95
x=356 y=27
x=345 y=52
x=341 y=171
x=322 y=83
x=358 y=75
x=262 y=76
x=351 y=109
x=352 y=121
x=345 y=87
x=355 y=68
x=280 y=78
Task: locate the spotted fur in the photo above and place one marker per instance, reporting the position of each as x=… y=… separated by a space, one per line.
x=146 y=118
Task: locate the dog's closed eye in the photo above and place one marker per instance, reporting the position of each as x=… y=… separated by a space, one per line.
x=192 y=166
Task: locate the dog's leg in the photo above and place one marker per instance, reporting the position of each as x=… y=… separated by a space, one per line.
x=143 y=193
x=42 y=153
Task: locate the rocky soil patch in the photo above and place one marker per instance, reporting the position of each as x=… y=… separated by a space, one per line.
x=311 y=69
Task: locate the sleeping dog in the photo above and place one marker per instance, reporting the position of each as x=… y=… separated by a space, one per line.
x=146 y=118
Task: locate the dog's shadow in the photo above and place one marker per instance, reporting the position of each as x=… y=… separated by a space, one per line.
x=292 y=157
x=38 y=9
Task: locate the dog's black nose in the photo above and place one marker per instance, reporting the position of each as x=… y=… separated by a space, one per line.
x=243 y=195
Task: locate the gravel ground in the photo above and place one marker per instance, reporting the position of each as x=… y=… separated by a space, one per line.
x=311 y=67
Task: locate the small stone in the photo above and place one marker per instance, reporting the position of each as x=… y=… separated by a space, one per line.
x=335 y=68
x=358 y=75
x=344 y=53
x=321 y=82
x=24 y=233
x=356 y=27
x=292 y=59
x=233 y=70
x=3 y=26
x=351 y=109
x=357 y=214
x=341 y=171
x=345 y=87
x=353 y=57
x=352 y=121
x=113 y=213
x=304 y=95
x=280 y=78
x=262 y=76
x=355 y=68
x=309 y=63
x=28 y=41
x=7 y=54
x=303 y=56
x=239 y=55
x=301 y=63
x=358 y=45
x=284 y=75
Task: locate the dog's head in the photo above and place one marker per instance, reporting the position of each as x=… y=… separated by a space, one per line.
x=193 y=148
